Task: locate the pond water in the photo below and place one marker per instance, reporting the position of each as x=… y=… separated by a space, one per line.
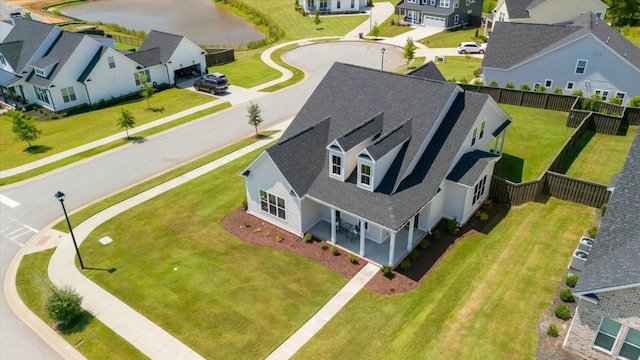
x=199 y=20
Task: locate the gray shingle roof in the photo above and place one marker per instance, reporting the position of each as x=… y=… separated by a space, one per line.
x=32 y=34
x=361 y=132
x=534 y=3
x=517 y=9
x=427 y=71
x=146 y=58
x=614 y=259
x=7 y=78
x=11 y=52
x=390 y=141
x=470 y=167
x=303 y=159
x=167 y=43
x=59 y=52
x=514 y=43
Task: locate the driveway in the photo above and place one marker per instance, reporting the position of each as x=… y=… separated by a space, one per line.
x=29 y=207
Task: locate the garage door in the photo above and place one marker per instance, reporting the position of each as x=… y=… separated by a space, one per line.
x=433 y=21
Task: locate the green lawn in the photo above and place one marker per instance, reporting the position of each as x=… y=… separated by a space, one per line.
x=388 y=30
x=69 y=132
x=533 y=139
x=603 y=156
x=221 y=291
x=481 y=301
x=247 y=72
x=457 y=68
x=449 y=39
x=297 y=26
x=91 y=337
x=298 y=74
x=632 y=34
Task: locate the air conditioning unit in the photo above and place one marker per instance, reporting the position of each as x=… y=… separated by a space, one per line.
x=578 y=260
x=585 y=244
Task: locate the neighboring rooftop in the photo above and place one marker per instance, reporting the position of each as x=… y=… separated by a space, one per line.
x=31 y=35
x=166 y=44
x=614 y=259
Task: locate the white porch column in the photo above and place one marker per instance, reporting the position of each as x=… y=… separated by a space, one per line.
x=504 y=137
x=333 y=225
x=362 y=238
x=410 y=239
x=392 y=248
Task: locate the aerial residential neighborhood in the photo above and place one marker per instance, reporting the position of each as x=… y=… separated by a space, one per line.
x=413 y=179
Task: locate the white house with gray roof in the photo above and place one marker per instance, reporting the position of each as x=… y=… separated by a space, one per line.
x=546 y=11
x=374 y=171
x=440 y=13
x=334 y=6
x=586 y=55
x=56 y=69
x=606 y=323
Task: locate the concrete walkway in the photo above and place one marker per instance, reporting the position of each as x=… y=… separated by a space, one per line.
x=326 y=313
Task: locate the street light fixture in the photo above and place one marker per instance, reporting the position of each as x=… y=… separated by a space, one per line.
x=60 y=196
x=382 y=64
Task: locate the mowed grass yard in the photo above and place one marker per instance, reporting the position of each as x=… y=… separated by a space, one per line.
x=71 y=131
x=602 y=157
x=481 y=301
x=533 y=139
x=221 y=296
x=450 y=39
x=458 y=68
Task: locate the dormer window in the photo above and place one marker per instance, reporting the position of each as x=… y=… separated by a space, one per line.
x=482 y=129
x=475 y=134
x=365 y=175
x=336 y=165
x=40 y=72
x=2 y=60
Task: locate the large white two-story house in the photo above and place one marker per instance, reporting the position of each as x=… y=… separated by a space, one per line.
x=441 y=13
x=374 y=160
x=333 y=6
x=586 y=55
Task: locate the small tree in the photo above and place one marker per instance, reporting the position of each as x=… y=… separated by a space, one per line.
x=493 y=83
x=557 y=90
x=147 y=89
x=64 y=306
x=409 y=51
x=24 y=126
x=375 y=31
x=509 y=85
x=316 y=18
x=255 y=119
x=126 y=121
x=525 y=87
x=541 y=89
x=635 y=101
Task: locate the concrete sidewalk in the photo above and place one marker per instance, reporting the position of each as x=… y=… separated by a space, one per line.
x=326 y=313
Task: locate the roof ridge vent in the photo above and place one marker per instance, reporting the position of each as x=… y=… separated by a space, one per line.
x=607 y=39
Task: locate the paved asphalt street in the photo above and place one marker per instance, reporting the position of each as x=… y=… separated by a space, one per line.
x=34 y=205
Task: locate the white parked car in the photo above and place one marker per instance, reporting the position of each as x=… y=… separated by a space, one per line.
x=471 y=48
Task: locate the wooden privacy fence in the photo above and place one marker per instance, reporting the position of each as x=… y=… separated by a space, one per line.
x=584 y=129
x=219 y=56
x=127 y=40
x=575 y=190
x=505 y=191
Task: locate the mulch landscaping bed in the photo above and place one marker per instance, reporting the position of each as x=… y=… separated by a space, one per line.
x=257 y=231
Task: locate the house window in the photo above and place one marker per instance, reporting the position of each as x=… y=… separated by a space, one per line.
x=112 y=62
x=432 y=2
x=501 y=18
x=445 y=3
x=620 y=95
x=41 y=94
x=272 y=204
x=473 y=139
x=411 y=1
x=570 y=85
x=599 y=15
x=456 y=4
x=548 y=83
x=607 y=334
x=40 y=72
x=631 y=346
x=2 y=60
x=145 y=73
x=456 y=19
x=323 y=4
x=68 y=94
x=536 y=86
x=468 y=2
x=365 y=175
x=603 y=94
x=482 y=129
x=338 y=4
x=581 y=66
x=353 y=3
x=478 y=190
x=336 y=165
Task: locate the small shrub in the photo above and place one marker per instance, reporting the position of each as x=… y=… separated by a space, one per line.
x=557 y=90
x=386 y=270
x=453 y=226
x=604 y=209
x=615 y=100
x=509 y=85
x=464 y=80
x=477 y=72
x=247 y=225
x=566 y=295
x=477 y=82
x=572 y=280
x=414 y=254
x=353 y=259
x=245 y=205
x=54 y=117
x=324 y=245
x=453 y=79
x=562 y=312
x=483 y=216
x=476 y=34
x=635 y=101
x=405 y=264
x=393 y=22
x=308 y=238
x=592 y=232
x=578 y=93
x=424 y=243
x=279 y=238
x=487 y=202
x=335 y=251
x=63 y=113
x=493 y=83
x=483 y=38
x=552 y=330
x=525 y=87
x=435 y=235
x=541 y=89
x=64 y=306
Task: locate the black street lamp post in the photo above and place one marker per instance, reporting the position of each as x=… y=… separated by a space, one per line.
x=60 y=196
x=382 y=64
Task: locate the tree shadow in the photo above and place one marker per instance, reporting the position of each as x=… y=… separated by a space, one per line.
x=110 y=271
x=79 y=325
x=37 y=149
x=157 y=109
x=137 y=139
x=510 y=168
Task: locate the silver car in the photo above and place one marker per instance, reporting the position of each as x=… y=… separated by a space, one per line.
x=471 y=48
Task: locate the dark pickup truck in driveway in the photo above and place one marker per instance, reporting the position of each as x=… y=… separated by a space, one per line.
x=213 y=84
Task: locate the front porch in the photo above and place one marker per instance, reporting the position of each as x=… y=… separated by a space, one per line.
x=372 y=251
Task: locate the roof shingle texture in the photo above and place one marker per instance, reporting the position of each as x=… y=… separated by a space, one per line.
x=614 y=259
x=59 y=53
x=346 y=97
x=167 y=43
x=32 y=35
